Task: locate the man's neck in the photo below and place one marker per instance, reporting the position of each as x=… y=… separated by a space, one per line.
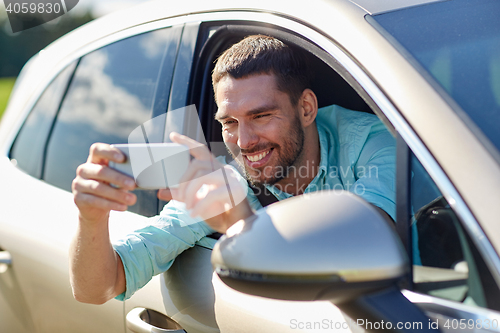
x=306 y=167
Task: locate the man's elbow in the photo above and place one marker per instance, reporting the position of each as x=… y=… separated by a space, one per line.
x=91 y=299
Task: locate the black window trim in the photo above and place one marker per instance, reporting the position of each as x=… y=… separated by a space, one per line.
x=181 y=79
x=54 y=120
x=41 y=163
x=403 y=205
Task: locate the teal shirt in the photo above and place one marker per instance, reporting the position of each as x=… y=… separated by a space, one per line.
x=357 y=154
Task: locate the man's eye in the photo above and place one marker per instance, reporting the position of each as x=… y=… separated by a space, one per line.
x=261 y=116
x=228 y=122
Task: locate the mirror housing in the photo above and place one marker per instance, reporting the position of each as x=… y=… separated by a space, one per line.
x=328 y=245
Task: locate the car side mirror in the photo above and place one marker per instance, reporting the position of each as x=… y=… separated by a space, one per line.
x=329 y=245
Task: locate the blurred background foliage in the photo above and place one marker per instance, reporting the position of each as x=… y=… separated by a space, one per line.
x=6 y=84
x=17 y=48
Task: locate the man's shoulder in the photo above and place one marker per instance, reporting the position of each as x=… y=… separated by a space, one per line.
x=338 y=116
x=348 y=125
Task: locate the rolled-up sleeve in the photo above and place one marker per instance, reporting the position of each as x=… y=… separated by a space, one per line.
x=375 y=171
x=151 y=250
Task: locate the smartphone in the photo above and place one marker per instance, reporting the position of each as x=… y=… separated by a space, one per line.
x=153 y=165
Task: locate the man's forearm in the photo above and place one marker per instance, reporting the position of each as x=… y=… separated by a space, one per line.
x=96 y=270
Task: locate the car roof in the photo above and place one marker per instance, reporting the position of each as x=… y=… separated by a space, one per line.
x=383 y=6
x=159 y=9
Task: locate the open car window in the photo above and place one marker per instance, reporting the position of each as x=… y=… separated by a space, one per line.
x=332 y=84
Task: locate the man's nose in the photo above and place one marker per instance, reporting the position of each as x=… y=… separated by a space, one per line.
x=247 y=137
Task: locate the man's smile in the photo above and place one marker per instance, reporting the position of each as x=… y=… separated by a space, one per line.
x=258 y=159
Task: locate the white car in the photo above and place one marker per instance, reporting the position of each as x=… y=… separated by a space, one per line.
x=429 y=69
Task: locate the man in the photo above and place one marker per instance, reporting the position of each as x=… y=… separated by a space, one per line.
x=271 y=124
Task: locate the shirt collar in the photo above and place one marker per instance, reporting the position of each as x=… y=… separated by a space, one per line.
x=319 y=179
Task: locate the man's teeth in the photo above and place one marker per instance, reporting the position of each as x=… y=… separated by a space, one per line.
x=256 y=158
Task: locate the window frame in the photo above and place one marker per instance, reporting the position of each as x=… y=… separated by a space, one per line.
x=201 y=94
x=468 y=241
x=40 y=155
x=164 y=81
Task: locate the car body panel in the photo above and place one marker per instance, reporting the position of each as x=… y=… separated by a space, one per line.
x=39 y=270
x=188 y=294
x=377 y=7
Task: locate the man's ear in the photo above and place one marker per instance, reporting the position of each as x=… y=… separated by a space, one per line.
x=308 y=107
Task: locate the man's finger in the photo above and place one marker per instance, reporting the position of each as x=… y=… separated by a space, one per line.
x=196 y=149
x=103 y=191
x=102 y=153
x=211 y=180
x=105 y=174
x=215 y=203
x=85 y=199
x=195 y=170
x=165 y=194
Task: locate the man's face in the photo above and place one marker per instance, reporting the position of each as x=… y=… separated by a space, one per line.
x=259 y=122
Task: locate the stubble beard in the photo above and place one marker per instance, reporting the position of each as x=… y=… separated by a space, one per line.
x=290 y=150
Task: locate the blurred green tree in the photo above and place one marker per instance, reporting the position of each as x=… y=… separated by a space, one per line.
x=17 y=48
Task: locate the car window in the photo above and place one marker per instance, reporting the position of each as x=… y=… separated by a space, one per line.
x=457 y=42
x=115 y=89
x=28 y=147
x=446 y=261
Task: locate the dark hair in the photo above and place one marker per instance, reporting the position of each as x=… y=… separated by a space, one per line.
x=259 y=54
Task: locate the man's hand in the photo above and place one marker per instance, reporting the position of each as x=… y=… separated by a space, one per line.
x=92 y=190
x=96 y=271
x=209 y=189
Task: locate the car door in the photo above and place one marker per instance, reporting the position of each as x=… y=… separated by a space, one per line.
x=20 y=251
x=117 y=85
x=467 y=281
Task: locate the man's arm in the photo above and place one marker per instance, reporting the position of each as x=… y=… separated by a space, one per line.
x=375 y=171
x=96 y=271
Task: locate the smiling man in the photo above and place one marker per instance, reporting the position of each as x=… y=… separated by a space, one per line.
x=269 y=131
x=273 y=128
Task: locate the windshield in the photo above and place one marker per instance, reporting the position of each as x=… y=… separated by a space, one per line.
x=458 y=43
